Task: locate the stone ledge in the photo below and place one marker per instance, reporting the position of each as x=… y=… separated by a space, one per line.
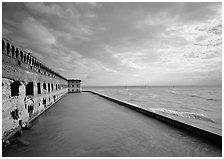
x=214 y=138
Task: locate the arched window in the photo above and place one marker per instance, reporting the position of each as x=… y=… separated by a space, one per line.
x=29 y=89
x=44 y=86
x=32 y=62
x=52 y=87
x=8 y=48
x=17 y=52
x=21 y=55
x=49 y=89
x=27 y=59
x=13 y=51
x=15 y=88
x=44 y=101
x=24 y=58
x=38 y=88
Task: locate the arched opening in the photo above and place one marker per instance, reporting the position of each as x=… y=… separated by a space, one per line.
x=44 y=86
x=13 y=51
x=49 y=89
x=29 y=89
x=8 y=48
x=21 y=55
x=27 y=59
x=32 y=61
x=17 y=52
x=24 y=58
x=52 y=88
x=38 y=88
x=44 y=101
x=15 y=88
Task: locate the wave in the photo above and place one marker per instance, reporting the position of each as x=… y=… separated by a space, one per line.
x=196 y=96
x=213 y=99
x=182 y=114
x=173 y=92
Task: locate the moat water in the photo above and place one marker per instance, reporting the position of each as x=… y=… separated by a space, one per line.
x=83 y=124
x=200 y=106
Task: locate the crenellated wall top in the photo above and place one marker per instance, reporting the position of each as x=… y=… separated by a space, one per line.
x=10 y=49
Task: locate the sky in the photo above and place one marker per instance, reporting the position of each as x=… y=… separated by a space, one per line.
x=121 y=43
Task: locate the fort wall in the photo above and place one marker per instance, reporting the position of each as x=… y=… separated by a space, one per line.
x=28 y=87
x=74 y=86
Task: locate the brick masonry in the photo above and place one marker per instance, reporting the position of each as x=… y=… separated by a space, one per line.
x=28 y=88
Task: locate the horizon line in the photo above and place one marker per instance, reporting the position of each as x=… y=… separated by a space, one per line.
x=146 y=85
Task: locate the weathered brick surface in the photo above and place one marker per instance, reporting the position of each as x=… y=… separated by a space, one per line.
x=25 y=68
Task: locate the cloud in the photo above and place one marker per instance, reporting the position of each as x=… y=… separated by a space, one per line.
x=44 y=9
x=195 y=12
x=110 y=70
x=36 y=32
x=108 y=43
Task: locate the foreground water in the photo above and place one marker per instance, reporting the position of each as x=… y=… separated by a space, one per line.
x=200 y=106
x=83 y=124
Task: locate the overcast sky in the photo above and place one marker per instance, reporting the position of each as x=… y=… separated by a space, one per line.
x=121 y=43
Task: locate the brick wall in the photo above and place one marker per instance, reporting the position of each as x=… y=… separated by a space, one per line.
x=28 y=87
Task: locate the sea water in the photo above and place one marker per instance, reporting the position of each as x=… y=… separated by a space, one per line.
x=199 y=106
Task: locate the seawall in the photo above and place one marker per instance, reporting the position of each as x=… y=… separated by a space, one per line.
x=212 y=137
x=28 y=88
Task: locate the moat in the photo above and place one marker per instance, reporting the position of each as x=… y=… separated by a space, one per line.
x=83 y=124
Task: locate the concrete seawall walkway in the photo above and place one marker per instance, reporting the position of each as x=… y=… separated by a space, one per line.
x=87 y=125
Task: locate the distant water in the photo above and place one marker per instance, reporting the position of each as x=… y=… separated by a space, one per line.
x=200 y=106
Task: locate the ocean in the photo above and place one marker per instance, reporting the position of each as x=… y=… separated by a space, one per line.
x=199 y=106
